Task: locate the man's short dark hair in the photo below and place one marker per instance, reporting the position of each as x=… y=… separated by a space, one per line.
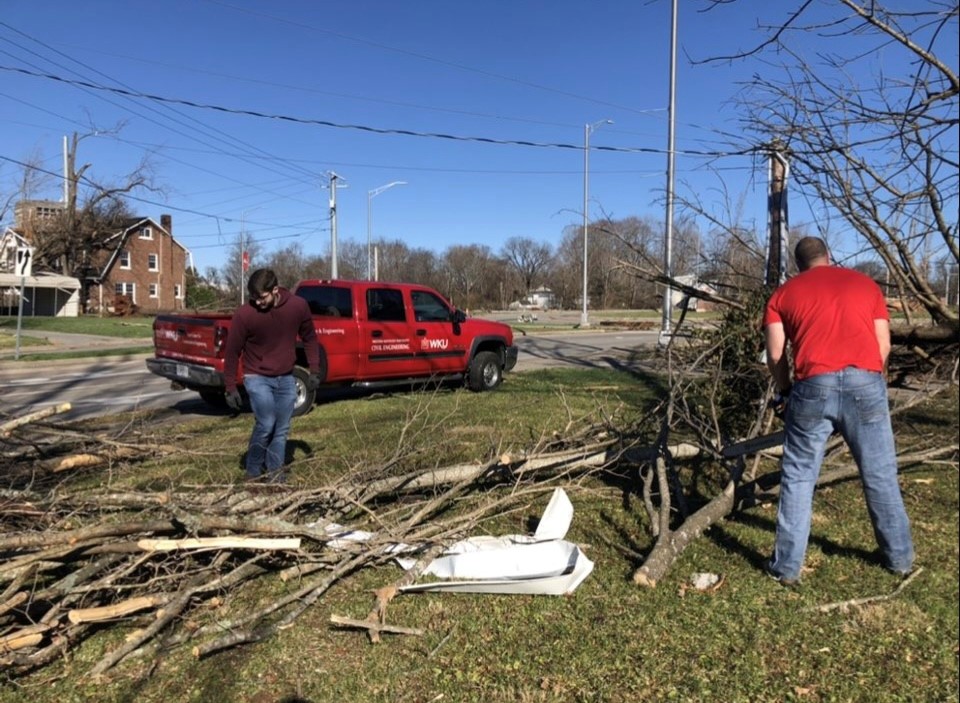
x=261 y=281
x=808 y=250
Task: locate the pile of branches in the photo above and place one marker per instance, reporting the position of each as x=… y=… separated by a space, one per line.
x=170 y=567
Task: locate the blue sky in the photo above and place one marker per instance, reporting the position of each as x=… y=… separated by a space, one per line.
x=514 y=71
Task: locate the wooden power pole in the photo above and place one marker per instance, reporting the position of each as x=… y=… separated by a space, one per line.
x=777 y=222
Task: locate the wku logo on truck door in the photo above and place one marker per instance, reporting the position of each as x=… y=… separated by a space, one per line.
x=433 y=344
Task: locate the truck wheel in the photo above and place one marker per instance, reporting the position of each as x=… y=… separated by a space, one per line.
x=305 y=398
x=215 y=399
x=484 y=373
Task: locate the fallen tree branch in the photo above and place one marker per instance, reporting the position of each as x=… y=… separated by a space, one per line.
x=844 y=606
x=10 y=425
x=374 y=628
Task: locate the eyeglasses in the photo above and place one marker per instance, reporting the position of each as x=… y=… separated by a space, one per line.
x=263 y=299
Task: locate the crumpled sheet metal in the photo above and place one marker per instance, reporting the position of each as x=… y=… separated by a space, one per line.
x=543 y=564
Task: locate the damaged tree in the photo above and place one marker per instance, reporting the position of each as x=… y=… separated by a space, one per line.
x=69 y=241
x=881 y=158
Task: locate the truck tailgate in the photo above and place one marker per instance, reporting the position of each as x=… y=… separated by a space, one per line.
x=198 y=339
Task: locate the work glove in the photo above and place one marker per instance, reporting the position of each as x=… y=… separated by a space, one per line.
x=234 y=401
x=313 y=382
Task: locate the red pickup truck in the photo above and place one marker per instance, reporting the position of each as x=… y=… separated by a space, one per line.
x=371 y=334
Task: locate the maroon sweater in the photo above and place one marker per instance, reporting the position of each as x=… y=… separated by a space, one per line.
x=267 y=340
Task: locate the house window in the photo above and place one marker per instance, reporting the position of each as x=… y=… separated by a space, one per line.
x=125 y=259
x=153 y=262
x=122 y=288
x=146 y=233
x=177 y=292
x=153 y=290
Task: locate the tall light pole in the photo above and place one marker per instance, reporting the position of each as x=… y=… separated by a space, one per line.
x=588 y=129
x=334 y=273
x=667 y=317
x=371 y=194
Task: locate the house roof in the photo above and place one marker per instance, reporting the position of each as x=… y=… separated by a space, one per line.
x=11 y=237
x=133 y=225
x=40 y=280
x=10 y=241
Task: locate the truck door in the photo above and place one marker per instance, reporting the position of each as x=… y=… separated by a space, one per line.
x=388 y=344
x=333 y=318
x=436 y=336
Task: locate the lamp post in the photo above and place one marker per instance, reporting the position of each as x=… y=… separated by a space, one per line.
x=588 y=129
x=667 y=314
x=371 y=194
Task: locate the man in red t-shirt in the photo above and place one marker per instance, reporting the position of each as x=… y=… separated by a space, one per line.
x=264 y=333
x=838 y=329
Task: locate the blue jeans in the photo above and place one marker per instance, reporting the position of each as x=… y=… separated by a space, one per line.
x=272 y=399
x=854 y=403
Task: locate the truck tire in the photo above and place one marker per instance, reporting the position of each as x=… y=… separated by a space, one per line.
x=215 y=399
x=484 y=373
x=305 y=397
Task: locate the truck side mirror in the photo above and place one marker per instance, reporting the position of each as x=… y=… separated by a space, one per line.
x=459 y=316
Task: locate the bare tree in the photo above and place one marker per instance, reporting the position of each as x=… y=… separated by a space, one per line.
x=466 y=267
x=529 y=259
x=291 y=265
x=71 y=243
x=881 y=154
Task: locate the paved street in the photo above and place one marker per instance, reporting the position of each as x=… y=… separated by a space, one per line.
x=110 y=384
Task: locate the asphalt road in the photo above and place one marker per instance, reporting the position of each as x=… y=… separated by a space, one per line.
x=108 y=385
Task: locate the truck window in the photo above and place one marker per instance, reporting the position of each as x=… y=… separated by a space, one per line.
x=385 y=305
x=327 y=301
x=428 y=307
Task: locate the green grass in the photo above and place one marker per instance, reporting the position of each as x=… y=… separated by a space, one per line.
x=750 y=640
x=138 y=329
x=127 y=327
x=9 y=341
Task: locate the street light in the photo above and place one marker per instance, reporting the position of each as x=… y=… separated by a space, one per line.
x=588 y=129
x=371 y=194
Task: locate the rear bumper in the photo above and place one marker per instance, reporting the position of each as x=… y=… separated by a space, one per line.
x=510 y=357
x=193 y=376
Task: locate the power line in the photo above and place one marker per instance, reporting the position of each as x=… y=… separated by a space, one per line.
x=364 y=128
x=216 y=134
x=426 y=57
x=146 y=201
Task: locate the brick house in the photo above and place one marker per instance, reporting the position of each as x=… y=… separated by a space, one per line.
x=142 y=265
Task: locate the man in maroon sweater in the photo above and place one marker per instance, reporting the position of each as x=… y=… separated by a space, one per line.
x=264 y=333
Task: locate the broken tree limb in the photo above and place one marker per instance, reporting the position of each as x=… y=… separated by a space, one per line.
x=856 y=602
x=168 y=545
x=49 y=538
x=252 y=627
x=10 y=425
x=578 y=458
x=19 y=640
x=116 y=610
x=374 y=627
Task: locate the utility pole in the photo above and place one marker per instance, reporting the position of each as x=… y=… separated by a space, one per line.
x=66 y=172
x=334 y=274
x=777 y=223
x=667 y=317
